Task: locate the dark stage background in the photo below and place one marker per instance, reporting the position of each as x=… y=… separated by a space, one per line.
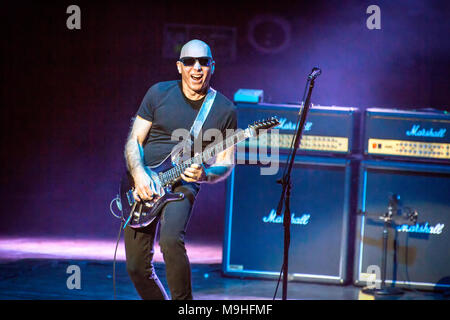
x=67 y=96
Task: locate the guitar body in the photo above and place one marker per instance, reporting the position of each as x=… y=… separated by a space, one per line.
x=140 y=214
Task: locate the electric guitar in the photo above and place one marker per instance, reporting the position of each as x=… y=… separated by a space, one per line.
x=140 y=214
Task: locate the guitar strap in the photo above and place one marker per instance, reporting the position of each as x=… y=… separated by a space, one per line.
x=203 y=113
x=196 y=126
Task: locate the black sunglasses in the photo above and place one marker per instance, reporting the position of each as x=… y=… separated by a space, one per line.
x=190 y=61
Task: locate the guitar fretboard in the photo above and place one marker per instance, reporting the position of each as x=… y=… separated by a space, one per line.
x=174 y=173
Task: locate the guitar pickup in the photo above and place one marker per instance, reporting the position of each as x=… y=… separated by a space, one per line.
x=138 y=214
x=130 y=197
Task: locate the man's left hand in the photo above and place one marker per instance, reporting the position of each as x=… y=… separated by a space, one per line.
x=194 y=173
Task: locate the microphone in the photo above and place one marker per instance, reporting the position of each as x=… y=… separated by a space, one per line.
x=314 y=73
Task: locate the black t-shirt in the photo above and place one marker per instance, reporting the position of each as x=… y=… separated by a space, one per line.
x=166 y=106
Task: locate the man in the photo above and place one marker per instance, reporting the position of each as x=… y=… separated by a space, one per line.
x=168 y=106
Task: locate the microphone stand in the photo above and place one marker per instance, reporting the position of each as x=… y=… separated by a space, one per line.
x=286 y=181
x=389 y=218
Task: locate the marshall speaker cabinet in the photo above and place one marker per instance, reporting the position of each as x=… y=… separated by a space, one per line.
x=253 y=245
x=418 y=253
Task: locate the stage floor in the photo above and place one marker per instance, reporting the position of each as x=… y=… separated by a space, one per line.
x=36 y=268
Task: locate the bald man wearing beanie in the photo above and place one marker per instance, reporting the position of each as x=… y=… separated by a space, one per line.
x=168 y=106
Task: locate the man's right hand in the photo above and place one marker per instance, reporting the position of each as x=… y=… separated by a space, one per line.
x=144 y=186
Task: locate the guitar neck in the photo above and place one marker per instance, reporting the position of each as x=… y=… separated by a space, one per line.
x=209 y=153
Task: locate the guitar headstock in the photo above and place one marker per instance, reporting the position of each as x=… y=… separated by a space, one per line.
x=266 y=124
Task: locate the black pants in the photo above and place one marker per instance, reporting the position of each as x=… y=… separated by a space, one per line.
x=139 y=250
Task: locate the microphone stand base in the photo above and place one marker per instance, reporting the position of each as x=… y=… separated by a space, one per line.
x=386 y=291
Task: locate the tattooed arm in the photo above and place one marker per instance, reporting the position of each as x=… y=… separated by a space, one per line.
x=134 y=156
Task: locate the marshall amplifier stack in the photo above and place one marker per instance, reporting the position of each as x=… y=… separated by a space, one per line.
x=348 y=166
x=406 y=154
x=320 y=197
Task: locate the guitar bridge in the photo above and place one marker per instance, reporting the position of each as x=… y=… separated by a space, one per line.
x=137 y=214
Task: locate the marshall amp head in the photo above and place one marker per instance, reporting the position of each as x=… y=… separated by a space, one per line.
x=407 y=134
x=328 y=130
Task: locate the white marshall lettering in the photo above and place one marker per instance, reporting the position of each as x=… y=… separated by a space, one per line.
x=425 y=228
x=289 y=125
x=273 y=218
x=416 y=131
